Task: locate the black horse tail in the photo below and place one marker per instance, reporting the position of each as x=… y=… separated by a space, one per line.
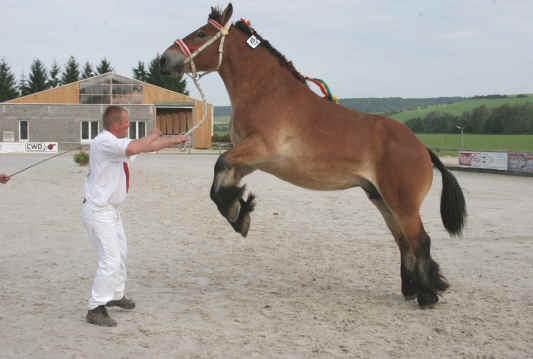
x=452 y=200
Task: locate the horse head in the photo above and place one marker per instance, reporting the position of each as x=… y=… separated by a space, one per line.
x=197 y=51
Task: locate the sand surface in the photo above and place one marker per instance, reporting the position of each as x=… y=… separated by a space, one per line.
x=317 y=277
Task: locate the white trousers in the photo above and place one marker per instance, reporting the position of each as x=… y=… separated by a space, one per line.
x=104 y=226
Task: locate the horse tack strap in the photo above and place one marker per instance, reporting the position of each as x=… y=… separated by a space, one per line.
x=184 y=48
x=215 y=24
x=187 y=50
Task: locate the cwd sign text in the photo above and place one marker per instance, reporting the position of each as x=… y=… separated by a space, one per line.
x=40 y=147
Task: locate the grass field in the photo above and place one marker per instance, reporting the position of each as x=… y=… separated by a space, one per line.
x=459 y=107
x=522 y=143
x=221 y=125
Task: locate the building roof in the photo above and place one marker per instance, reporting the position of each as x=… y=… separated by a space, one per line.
x=95 y=90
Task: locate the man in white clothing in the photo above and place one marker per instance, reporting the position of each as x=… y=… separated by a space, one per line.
x=106 y=186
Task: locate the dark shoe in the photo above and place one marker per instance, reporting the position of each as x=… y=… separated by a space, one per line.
x=124 y=303
x=99 y=316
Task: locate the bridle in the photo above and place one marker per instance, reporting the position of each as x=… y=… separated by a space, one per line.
x=223 y=31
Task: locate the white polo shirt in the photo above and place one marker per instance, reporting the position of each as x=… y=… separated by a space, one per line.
x=106 y=181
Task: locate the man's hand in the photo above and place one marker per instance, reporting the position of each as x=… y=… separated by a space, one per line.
x=4 y=178
x=155 y=132
x=179 y=139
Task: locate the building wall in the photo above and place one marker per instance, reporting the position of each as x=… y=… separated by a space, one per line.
x=202 y=135
x=50 y=122
x=64 y=94
x=61 y=123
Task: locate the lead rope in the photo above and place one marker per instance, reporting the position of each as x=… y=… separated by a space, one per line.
x=39 y=162
x=204 y=115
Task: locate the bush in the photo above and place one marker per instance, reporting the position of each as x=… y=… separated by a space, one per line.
x=82 y=158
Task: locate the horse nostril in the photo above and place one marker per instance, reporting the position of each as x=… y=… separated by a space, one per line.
x=163 y=61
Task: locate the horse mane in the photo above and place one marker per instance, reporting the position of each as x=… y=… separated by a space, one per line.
x=216 y=14
x=241 y=25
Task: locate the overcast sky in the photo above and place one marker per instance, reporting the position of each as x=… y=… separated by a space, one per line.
x=366 y=48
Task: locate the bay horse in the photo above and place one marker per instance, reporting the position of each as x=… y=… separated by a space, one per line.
x=280 y=126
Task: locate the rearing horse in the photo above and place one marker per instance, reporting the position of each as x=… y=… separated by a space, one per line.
x=280 y=126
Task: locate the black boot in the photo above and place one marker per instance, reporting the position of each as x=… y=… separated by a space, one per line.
x=99 y=316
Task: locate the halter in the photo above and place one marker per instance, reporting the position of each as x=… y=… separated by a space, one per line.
x=223 y=31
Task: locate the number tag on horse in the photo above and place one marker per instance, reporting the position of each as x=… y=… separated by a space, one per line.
x=253 y=42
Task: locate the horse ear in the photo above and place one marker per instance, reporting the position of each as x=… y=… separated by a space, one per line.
x=227 y=14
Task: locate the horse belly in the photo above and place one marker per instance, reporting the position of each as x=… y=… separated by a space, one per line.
x=323 y=177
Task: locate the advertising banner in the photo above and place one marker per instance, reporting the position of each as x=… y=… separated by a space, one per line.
x=485 y=160
x=521 y=161
x=28 y=147
x=40 y=147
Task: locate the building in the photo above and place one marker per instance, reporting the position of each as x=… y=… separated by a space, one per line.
x=71 y=115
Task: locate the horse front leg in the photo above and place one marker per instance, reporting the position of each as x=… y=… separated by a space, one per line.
x=230 y=168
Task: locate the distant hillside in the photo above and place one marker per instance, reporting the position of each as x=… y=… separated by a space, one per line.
x=374 y=104
x=468 y=104
x=403 y=109
x=394 y=104
x=222 y=111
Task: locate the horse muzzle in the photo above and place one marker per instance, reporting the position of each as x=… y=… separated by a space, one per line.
x=171 y=64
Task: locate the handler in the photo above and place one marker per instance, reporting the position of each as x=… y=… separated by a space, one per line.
x=106 y=186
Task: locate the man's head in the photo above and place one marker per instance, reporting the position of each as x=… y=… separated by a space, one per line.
x=116 y=121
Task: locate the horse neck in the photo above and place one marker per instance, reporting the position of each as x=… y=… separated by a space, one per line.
x=248 y=75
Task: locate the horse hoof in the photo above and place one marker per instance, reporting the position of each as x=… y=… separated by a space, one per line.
x=233 y=212
x=427 y=299
x=410 y=296
x=245 y=225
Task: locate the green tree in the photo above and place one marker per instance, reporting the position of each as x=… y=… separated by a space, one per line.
x=71 y=72
x=23 y=86
x=8 y=87
x=87 y=71
x=415 y=124
x=38 y=78
x=104 y=67
x=54 y=80
x=139 y=72
x=476 y=120
x=173 y=83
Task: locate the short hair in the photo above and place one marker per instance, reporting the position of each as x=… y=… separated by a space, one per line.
x=112 y=114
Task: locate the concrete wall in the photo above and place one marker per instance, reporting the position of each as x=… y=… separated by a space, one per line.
x=61 y=123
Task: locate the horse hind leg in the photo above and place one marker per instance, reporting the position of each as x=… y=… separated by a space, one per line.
x=408 y=260
x=227 y=195
x=420 y=274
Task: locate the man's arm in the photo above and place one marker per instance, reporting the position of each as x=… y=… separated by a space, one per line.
x=153 y=142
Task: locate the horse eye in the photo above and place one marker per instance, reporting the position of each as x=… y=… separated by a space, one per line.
x=201 y=34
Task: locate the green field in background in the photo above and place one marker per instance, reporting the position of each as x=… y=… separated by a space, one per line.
x=522 y=143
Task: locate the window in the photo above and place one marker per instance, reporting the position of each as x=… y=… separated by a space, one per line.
x=110 y=89
x=137 y=129
x=24 y=131
x=89 y=130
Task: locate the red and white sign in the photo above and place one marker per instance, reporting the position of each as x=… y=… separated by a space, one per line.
x=521 y=161
x=40 y=147
x=28 y=147
x=486 y=160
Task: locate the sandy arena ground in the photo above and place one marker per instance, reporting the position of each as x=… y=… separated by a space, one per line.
x=317 y=277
